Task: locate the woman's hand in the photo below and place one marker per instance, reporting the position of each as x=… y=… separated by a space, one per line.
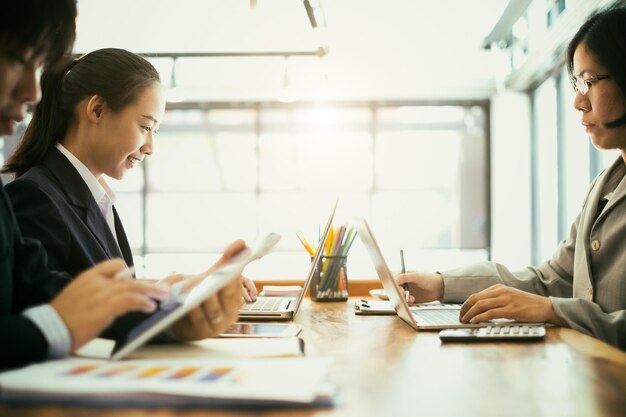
x=213 y=316
x=216 y=313
x=249 y=290
x=229 y=253
x=423 y=286
x=502 y=302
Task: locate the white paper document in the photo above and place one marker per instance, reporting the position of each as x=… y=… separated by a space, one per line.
x=293 y=381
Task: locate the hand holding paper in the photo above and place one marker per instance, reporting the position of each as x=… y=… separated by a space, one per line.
x=216 y=313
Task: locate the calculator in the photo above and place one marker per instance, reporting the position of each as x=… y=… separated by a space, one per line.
x=493 y=334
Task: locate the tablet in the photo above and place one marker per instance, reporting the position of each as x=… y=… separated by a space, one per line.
x=181 y=302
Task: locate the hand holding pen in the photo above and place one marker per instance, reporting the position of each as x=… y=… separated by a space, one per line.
x=126 y=273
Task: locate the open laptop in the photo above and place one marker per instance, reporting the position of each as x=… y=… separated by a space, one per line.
x=430 y=316
x=285 y=308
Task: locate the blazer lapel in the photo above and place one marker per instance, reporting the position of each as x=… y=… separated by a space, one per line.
x=100 y=229
x=122 y=240
x=81 y=198
x=618 y=194
x=582 y=270
x=589 y=216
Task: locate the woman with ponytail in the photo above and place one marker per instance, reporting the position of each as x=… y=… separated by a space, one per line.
x=34 y=326
x=97 y=117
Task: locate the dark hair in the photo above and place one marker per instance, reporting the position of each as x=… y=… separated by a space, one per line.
x=116 y=75
x=49 y=27
x=604 y=35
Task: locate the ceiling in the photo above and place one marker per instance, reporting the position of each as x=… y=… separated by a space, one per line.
x=378 y=50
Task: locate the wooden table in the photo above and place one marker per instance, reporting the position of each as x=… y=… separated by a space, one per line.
x=385 y=368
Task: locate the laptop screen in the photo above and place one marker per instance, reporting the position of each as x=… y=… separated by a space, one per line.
x=395 y=294
x=316 y=258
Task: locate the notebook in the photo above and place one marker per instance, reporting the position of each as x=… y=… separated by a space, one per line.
x=285 y=308
x=429 y=316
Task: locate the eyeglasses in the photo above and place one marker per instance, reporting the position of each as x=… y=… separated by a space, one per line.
x=582 y=86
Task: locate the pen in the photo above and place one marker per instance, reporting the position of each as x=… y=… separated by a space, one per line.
x=405 y=285
x=125 y=273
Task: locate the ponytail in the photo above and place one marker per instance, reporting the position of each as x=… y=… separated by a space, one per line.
x=48 y=125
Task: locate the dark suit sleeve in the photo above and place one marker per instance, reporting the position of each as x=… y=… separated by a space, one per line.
x=38 y=216
x=22 y=265
x=22 y=342
x=33 y=283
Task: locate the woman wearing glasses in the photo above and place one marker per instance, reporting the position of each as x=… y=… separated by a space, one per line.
x=583 y=286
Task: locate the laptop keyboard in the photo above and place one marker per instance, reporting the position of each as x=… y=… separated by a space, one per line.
x=438 y=317
x=266 y=304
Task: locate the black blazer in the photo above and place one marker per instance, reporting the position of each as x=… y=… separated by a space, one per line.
x=53 y=204
x=24 y=281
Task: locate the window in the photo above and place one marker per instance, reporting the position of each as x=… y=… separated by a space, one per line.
x=546 y=170
x=418 y=173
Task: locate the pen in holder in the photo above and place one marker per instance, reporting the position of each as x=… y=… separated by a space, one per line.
x=330 y=281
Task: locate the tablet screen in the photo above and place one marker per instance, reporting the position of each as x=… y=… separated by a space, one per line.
x=180 y=303
x=153 y=318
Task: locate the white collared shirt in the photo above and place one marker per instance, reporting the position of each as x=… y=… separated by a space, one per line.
x=102 y=193
x=53 y=328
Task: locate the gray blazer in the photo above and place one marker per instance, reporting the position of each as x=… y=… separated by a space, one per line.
x=586 y=277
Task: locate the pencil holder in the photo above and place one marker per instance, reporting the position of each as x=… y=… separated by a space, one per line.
x=330 y=280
